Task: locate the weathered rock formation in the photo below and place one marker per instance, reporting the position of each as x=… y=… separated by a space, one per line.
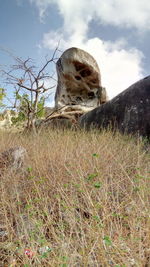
x=78 y=90
x=12 y=158
x=129 y=111
x=79 y=81
x=79 y=86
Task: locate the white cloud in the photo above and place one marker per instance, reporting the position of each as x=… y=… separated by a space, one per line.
x=135 y=13
x=126 y=13
x=42 y=6
x=52 y=39
x=120 y=66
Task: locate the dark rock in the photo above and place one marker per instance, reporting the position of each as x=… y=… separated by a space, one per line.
x=129 y=111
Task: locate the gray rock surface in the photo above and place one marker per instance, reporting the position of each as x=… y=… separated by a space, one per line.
x=129 y=111
x=12 y=158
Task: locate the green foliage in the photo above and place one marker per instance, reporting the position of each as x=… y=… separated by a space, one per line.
x=24 y=100
x=24 y=106
x=41 y=110
x=92 y=176
x=21 y=117
x=97 y=184
x=2 y=96
x=107 y=241
x=95 y=155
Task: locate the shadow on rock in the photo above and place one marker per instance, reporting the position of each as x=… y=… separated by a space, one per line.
x=129 y=112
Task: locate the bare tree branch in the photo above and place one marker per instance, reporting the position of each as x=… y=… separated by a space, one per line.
x=27 y=88
x=25 y=77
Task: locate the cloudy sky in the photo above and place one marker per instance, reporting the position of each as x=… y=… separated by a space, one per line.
x=115 y=32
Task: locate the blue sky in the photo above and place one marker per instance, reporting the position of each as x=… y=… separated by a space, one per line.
x=115 y=32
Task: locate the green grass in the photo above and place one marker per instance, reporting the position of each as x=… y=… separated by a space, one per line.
x=83 y=199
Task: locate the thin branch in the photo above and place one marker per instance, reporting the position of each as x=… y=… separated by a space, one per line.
x=51 y=60
x=47 y=89
x=25 y=87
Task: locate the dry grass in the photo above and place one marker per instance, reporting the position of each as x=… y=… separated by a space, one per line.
x=85 y=197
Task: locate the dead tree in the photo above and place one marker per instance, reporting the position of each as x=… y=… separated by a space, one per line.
x=25 y=77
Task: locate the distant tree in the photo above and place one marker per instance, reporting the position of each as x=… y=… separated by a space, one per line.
x=23 y=108
x=2 y=96
x=31 y=87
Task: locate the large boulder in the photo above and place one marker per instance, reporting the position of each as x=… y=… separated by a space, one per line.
x=79 y=81
x=78 y=90
x=129 y=111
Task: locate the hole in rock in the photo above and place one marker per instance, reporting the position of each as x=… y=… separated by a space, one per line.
x=77 y=77
x=93 y=81
x=91 y=95
x=78 y=98
x=85 y=72
x=79 y=66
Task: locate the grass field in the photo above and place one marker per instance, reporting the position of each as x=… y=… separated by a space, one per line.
x=82 y=199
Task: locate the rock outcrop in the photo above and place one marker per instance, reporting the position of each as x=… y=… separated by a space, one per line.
x=78 y=90
x=12 y=158
x=79 y=86
x=79 y=81
x=129 y=111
